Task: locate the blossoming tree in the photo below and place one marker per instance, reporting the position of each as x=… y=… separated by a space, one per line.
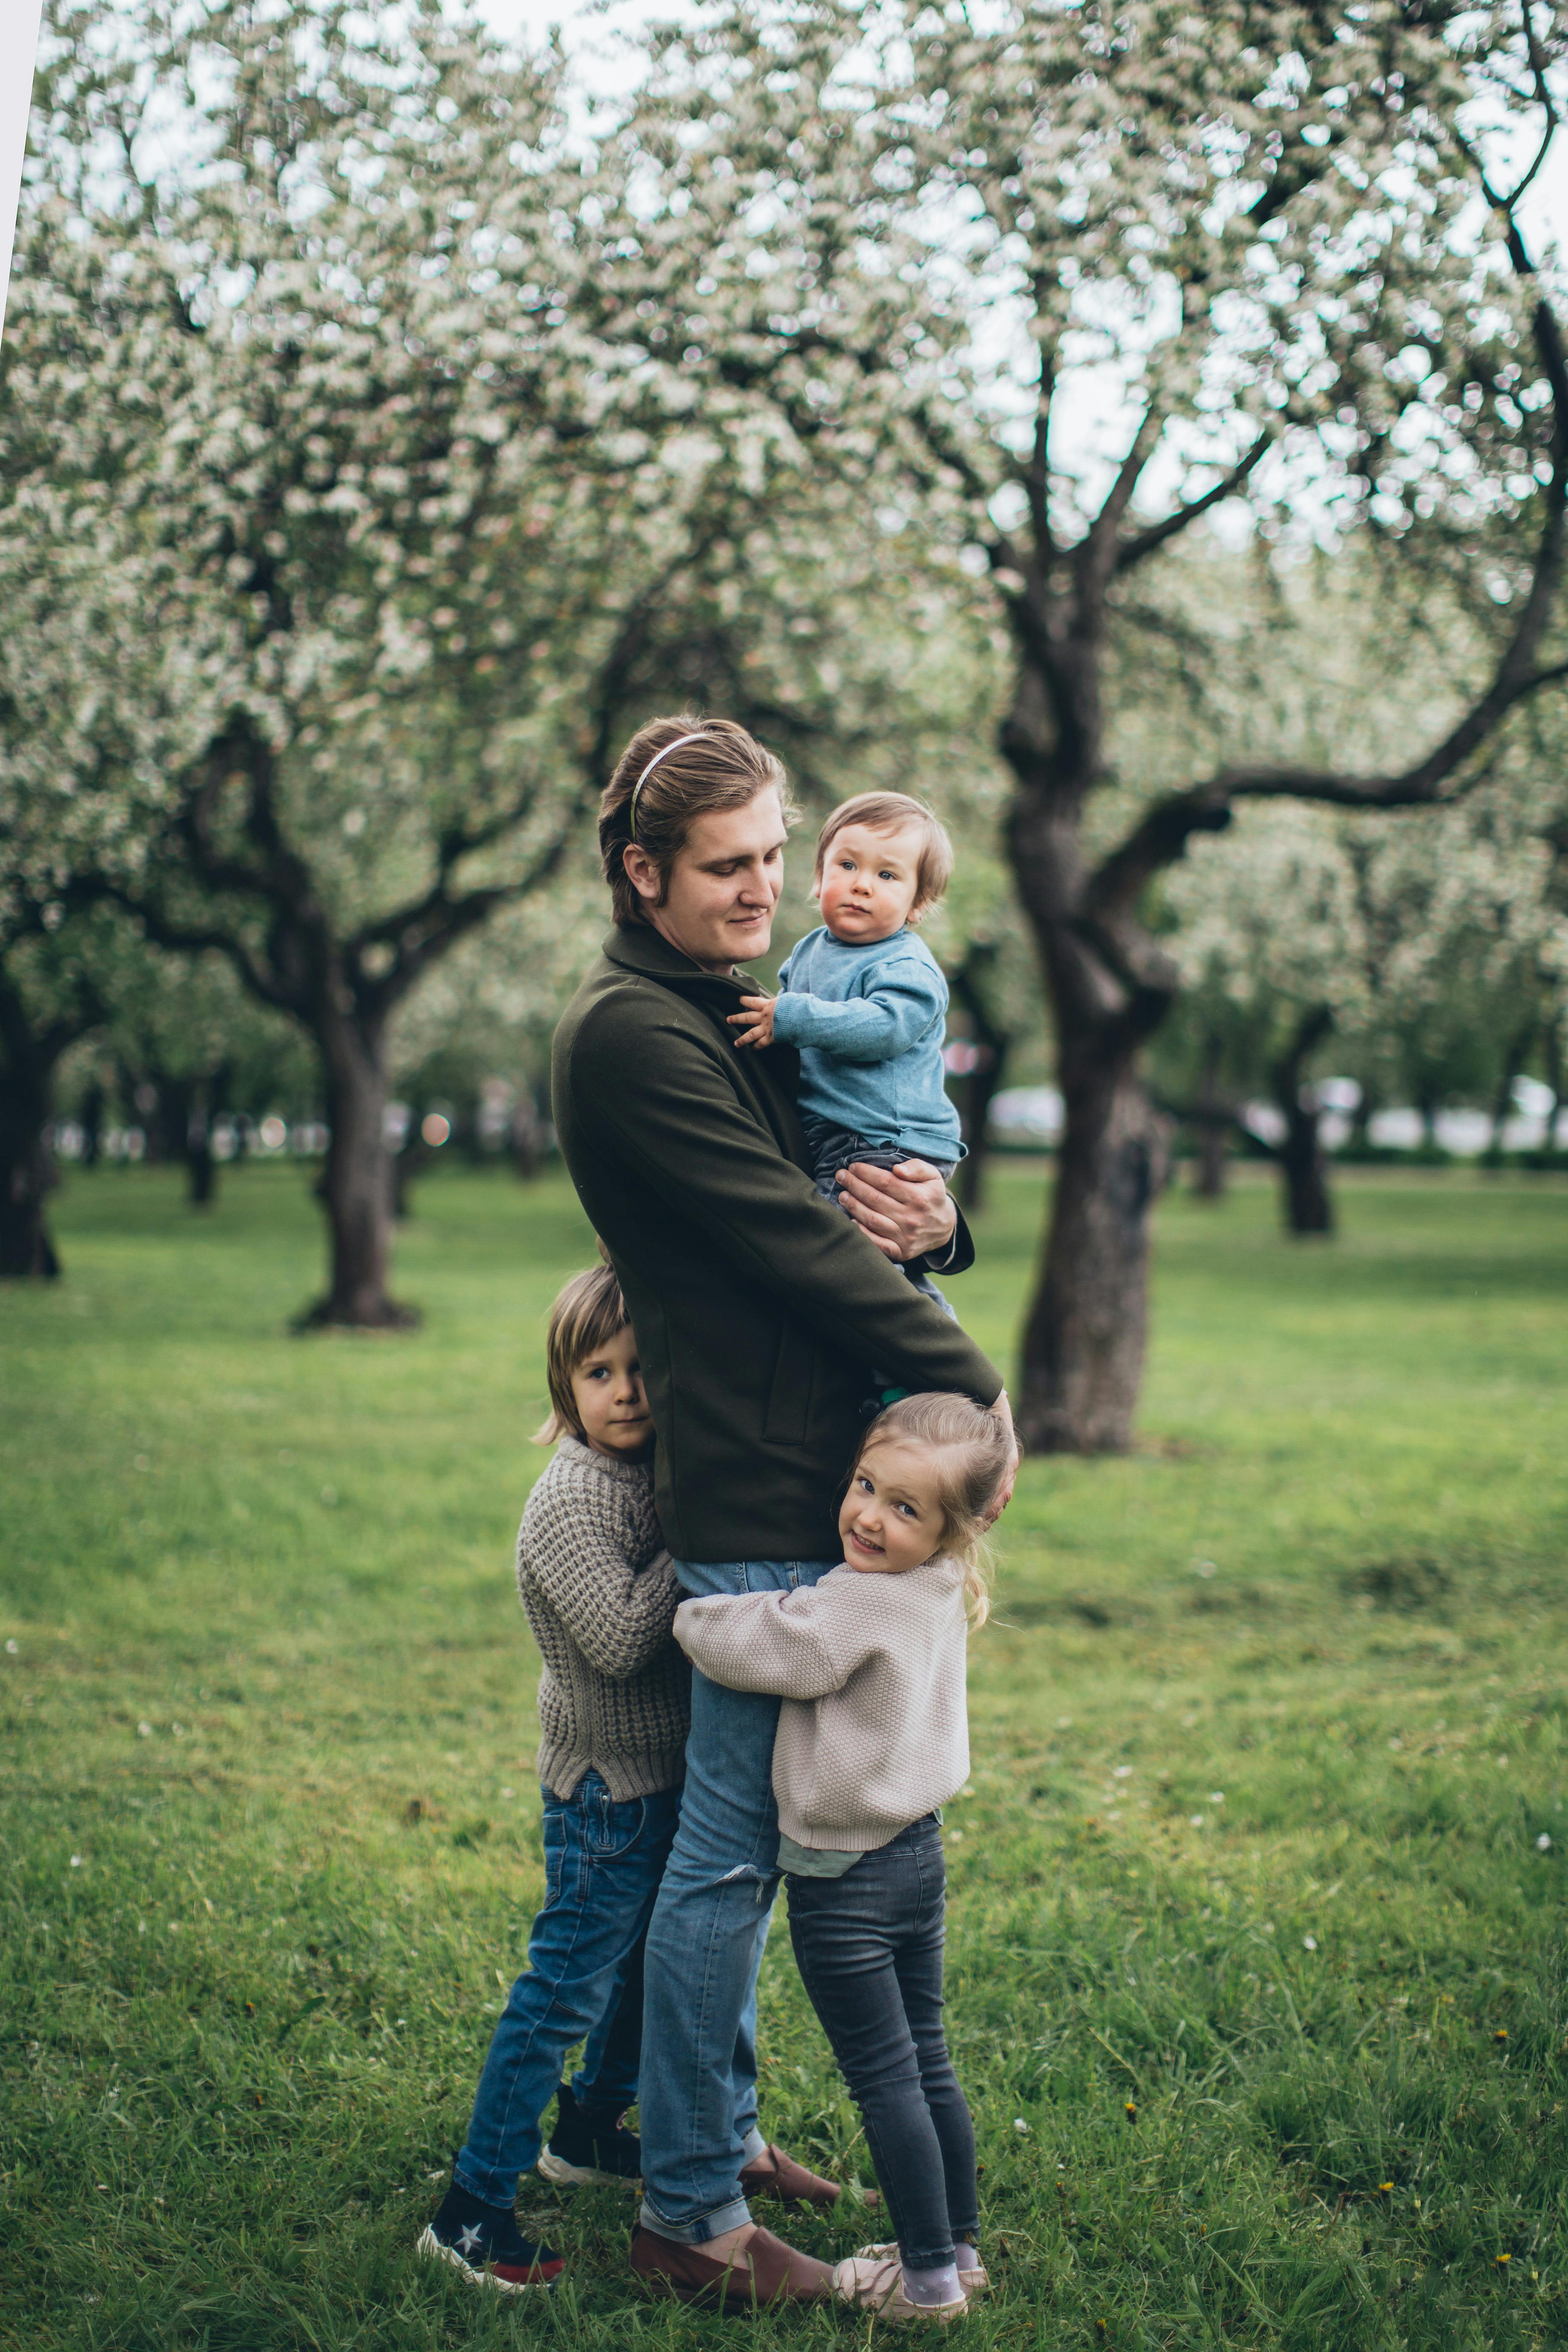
x=299 y=326
x=1062 y=283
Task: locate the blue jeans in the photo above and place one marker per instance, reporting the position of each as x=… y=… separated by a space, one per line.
x=602 y=1867
x=699 y=2100
x=869 y=1949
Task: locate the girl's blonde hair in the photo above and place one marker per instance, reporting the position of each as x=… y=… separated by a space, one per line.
x=969 y=1452
x=585 y=1318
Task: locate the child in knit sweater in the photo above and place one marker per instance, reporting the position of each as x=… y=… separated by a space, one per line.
x=865 y=1002
x=873 y=1739
x=614 y=1708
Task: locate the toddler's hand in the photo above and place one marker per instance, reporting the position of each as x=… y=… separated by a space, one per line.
x=756 y=1024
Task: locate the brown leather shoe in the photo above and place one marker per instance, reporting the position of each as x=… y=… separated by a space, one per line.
x=764 y=2270
x=774 y=2174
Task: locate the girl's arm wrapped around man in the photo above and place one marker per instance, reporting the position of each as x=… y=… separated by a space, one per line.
x=791 y=1644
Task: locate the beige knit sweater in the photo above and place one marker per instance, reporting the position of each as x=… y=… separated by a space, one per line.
x=599 y=1593
x=874 y=1730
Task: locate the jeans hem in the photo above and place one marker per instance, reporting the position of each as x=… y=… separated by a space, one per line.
x=488 y=2195
x=732 y=2215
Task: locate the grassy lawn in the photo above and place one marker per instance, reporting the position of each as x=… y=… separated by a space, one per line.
x=1256 y=1961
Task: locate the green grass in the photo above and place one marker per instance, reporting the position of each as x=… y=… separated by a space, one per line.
x=1266 y=1733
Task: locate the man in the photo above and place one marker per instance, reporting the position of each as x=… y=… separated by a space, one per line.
x=758 y=1308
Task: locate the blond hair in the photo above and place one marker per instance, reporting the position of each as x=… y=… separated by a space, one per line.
x=897 y=813
x=586 y=1315
x=968 y=1450
x=661 y=782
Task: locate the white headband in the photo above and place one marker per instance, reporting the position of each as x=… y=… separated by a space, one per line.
x=650 y=768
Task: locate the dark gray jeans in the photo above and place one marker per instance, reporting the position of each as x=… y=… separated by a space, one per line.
x=869 y=1949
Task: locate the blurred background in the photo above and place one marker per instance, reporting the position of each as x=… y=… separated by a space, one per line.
x=1144 y=435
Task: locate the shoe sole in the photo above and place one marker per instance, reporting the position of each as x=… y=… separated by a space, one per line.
x=581 y=2175
x=429 y=2244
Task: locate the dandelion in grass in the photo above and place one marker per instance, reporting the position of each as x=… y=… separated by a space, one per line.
x=1130 y=2109
x=1500 y=2035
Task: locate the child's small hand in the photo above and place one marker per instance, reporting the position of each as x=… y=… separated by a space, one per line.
x=756 y=1024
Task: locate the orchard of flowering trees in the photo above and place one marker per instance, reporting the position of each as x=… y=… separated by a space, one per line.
x=380 y=443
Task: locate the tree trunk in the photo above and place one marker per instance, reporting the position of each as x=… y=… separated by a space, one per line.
x=1212 y=1120
x=1551 y=1071
x=355 y=1188
x=1513 y=1061
x=526 y=1135
x=1084 y=1339
x=981 y=1086
x=413 y=1157
x=26 y=1176
x=984 y=1082
x=1308 y=1206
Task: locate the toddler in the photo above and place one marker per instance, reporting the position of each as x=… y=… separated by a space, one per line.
x=865 y=999
x=615 y=1708
x=872 y=1737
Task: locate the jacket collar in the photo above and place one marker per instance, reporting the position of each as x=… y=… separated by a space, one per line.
x=646 y=951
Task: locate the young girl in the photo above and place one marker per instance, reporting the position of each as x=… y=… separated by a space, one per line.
x=872 y=1737
x=614 y=1708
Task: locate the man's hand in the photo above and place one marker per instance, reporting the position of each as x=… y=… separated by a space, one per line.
x=756 y=1024
x=906 y=1209
x=1004 y=1413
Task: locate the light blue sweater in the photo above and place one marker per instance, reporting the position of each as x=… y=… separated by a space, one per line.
x=869 y=1022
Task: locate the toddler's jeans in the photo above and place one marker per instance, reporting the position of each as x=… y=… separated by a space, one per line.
x=869 y=1949
x=834 y=1148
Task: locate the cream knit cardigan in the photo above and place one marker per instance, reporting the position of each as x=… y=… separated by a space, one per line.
x=874 y=1731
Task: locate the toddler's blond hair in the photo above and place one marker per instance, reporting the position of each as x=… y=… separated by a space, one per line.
x=896 y=813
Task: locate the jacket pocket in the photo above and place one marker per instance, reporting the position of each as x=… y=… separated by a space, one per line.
x=789 y=1414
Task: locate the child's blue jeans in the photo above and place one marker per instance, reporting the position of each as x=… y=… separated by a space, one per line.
x=603 y=1862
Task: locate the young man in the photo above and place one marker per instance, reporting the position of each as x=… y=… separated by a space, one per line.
x=758 y=1309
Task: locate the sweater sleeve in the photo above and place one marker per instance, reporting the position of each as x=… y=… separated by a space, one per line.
x=893 y=1014
x=794 y=1645
x=619 y=1617
x=670 y=1109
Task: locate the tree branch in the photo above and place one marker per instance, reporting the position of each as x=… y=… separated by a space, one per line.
x=1144 y=542
x=195 y=938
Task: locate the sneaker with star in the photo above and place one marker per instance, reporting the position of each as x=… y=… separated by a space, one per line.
x=588 y=2144
x=483 y=2246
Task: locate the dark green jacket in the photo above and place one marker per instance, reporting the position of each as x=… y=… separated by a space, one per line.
x=758 y=1307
